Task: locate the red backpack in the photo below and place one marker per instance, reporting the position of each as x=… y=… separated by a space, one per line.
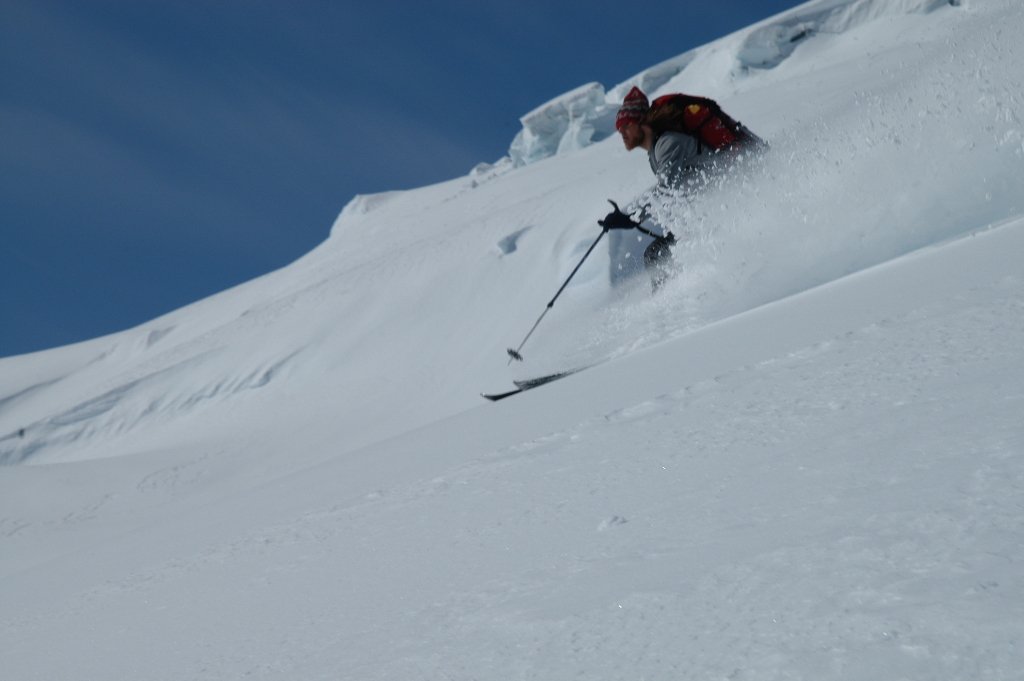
x=700 y=117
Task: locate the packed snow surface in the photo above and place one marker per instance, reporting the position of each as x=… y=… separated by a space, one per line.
x=801 y=458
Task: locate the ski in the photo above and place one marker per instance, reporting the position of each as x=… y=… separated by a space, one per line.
x=501 y=396
x=528 y=384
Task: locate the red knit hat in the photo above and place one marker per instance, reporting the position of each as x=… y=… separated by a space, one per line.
x=634 y=108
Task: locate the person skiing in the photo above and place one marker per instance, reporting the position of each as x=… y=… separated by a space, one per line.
x=684 y=137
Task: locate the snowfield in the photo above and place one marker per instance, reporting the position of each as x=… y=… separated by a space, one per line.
x=801 y=459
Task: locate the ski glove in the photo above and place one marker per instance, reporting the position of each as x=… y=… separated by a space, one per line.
x=617 y=220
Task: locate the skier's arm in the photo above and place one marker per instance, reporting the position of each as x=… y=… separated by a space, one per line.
x=674 y=154
x=640 y=208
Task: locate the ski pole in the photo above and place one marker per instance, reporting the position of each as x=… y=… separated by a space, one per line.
x=514 y=354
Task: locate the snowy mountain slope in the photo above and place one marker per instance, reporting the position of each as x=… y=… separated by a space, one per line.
x=363 y=313
x=850 y=510
x=800 y=460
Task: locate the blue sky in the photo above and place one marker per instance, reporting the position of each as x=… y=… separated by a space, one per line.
x=153 y=153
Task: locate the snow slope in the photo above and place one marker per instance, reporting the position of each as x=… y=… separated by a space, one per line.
x=802 y=459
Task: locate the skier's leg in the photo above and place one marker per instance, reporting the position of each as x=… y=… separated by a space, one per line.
x=657 y=258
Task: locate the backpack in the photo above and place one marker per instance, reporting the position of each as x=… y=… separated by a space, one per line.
x=700 y=118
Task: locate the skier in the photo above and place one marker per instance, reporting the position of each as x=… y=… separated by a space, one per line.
x=685 y=137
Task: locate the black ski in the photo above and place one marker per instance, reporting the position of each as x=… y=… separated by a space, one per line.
x=501 y=396
x=528 y=384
